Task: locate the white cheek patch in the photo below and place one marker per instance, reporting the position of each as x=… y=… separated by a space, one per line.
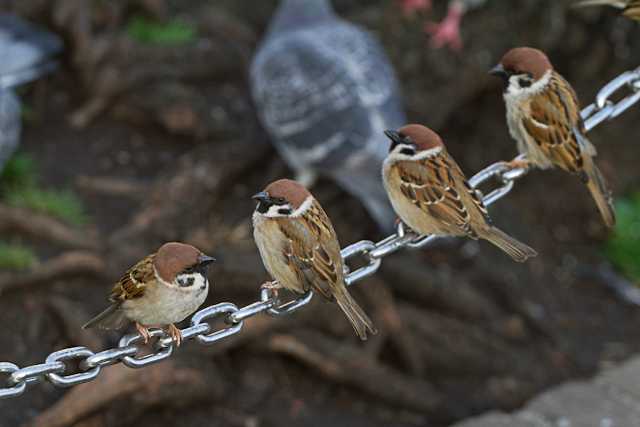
x=396 y=156
x=515 y=91
x=303 y=207
x=191 y=281
x=276 y=211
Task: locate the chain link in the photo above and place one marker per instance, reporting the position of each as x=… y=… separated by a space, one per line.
x=201 y=330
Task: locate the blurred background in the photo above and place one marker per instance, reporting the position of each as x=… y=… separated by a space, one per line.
x=147 y=132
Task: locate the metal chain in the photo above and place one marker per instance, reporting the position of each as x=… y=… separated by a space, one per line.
x=128 y=351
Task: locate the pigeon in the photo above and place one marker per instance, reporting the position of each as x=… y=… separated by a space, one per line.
x=325 y=92
x=26 y=53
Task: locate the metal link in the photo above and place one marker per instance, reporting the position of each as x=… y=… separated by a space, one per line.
x=266 y=296
x=73 y=379
x=13 y=390
x=364 y=248
x=603 y=109
x=214 y=311
x=35 y=373
x=160 y=354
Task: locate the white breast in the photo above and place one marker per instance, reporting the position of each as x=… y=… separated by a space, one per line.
x=163 y=304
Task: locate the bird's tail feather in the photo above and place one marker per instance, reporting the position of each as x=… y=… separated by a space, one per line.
x=511 y=246
x=111 y=318
x=356 y=315
x=600 y=192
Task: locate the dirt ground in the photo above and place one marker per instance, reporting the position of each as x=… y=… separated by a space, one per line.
x=161 y=143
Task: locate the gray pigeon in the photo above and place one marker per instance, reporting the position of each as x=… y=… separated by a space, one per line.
x=325 y=92
x=25 y=51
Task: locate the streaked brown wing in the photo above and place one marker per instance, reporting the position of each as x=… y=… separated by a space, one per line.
x=133 y=282
x=313 y=250
x=554 y=118
x=632 y=11
x=438 y=186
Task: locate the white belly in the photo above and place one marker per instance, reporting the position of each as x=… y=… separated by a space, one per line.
x=163 y=304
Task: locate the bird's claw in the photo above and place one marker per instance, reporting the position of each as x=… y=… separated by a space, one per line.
x=144 y=332
x=175 y=334
x=447 y=32
x=518 y=164
x=409 y=7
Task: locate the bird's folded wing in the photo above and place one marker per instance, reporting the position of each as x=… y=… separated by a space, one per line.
x=134 y=282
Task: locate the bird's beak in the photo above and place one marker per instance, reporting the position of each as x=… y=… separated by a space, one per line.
x=262 y=196
x=205 y=259
x=499 y=71
x=393 y=136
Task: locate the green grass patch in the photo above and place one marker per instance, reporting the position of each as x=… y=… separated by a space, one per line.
x=16 y=257
x=148 y=31
x=61 y=204
x=20 y=171
x=623 y=247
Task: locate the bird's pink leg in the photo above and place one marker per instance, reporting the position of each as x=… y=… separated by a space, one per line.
x=447 y=32
x=518 y=164
x=175 y=333
x=144 y=332
x=409 y=7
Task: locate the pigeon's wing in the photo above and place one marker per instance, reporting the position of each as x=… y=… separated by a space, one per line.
x=25 y=50
x=320 y=92
x=9 y=124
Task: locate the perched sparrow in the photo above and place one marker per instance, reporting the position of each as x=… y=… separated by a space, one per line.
x=431 y=194
x=543 y=115
x=300 y=249
x=630 y=8
x=162 y=289
x=26 y=53
x=325 y=91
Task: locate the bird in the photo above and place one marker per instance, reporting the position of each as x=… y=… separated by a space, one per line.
x=160 y=290
x=26 y=53
x=431 y=194
x=543 y=116
x=630 y=8
x=300 y=249
x=324 y=91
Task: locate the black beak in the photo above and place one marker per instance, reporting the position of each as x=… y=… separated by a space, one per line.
x=393 y=136
x=499 y=71
x=262 y=196
x=205 y=259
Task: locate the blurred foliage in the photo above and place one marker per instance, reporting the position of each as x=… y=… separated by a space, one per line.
x=62 y=204
x=20 y=171
x=146 y=30
x=16 y=257
x=19 y=187
x=623 y=248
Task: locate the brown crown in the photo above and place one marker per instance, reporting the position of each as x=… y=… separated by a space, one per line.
x=173 y=258
x=423 y=137
x=526 y=60
x=294 y=193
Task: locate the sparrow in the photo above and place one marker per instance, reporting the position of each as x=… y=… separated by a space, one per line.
x=324 y=91
x=431 y=194
x=300 y=249
x=26 y=53
x=630 y=8
x=160 y=290
x=543 y=116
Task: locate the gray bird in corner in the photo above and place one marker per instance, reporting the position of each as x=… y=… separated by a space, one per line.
x=325 y=92
x=26 y=53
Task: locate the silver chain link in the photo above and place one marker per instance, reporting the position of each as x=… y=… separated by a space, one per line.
x=54 y=370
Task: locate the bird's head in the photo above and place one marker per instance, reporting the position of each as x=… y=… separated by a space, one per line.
x=413 y=142
x=283 y=198
x=182 y=265
x=524 y=70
